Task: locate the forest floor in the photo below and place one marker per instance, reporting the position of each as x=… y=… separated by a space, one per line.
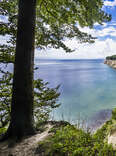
x=26 y=147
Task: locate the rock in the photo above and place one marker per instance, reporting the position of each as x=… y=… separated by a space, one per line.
x=112 y=139
x=111 y=63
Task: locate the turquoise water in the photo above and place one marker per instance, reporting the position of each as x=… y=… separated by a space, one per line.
x=87 y=86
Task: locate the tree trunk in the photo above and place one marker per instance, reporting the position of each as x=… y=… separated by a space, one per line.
x=22 y=98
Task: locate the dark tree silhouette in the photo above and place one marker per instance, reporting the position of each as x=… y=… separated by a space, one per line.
x=22 y=98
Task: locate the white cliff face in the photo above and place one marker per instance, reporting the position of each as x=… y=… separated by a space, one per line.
x=111 y=63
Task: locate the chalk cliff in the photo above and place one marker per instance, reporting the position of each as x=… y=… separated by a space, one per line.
x=111 y=61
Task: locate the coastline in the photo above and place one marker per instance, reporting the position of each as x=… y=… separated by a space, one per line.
x=99 y=119
x=111 y=63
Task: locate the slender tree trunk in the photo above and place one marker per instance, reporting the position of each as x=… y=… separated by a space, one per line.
x=22 y=98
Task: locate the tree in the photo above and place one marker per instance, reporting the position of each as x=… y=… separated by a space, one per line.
x=56 y=20
x=45 y=100
x=21 y=122
x=54 y=23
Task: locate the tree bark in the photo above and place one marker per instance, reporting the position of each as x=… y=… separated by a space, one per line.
x=21 y=123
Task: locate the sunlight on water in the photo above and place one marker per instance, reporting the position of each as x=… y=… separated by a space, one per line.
x=87 y=86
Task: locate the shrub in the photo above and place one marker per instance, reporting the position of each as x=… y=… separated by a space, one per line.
x=69 y=141
x=114 y=114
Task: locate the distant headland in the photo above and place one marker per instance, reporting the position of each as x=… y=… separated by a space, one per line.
x=111 y=61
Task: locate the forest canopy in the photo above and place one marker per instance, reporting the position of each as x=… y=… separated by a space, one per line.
x=55 y=21
x=113 y=57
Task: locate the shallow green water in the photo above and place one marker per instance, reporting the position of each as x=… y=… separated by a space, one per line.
x=87 y=86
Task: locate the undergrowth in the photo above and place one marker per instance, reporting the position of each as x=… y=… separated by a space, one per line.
x=70 y=141
x=67 y=140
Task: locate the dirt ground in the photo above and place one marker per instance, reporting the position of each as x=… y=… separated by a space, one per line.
x=25 y=147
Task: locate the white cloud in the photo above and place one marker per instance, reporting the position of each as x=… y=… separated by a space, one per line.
x=110 y=3
x=3 y=19
x=106 y=31
x=100 y=32
x=4 y=39
x=113 y=23
x=100 y=49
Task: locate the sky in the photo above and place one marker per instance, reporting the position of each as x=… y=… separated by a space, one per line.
x=105 y=44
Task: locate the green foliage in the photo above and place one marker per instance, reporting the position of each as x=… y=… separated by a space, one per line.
x=112 y=126
x=45 y=100
x=114 y=114
x=101 y=134
x=113 y=57
x=68 y=140
x=3 y=130
x=55 y=21
x=5 y=98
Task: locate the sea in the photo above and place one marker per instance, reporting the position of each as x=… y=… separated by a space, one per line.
x=87 y=87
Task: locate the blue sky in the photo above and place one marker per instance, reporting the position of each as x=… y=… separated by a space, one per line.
x=105 y=44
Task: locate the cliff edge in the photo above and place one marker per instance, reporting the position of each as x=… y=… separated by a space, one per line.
x=111 y=61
